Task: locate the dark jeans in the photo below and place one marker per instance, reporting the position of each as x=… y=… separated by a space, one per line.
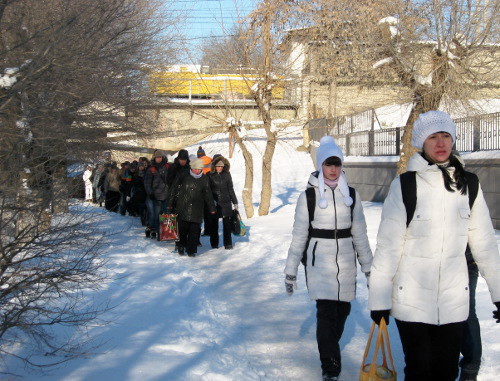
x=124 y=204
x=156 y=208
x=214 y=230
x=431 y=351
x=207 y=217
x=112 y=201
x=471 y=348
x=189 y=234
x=331 y=316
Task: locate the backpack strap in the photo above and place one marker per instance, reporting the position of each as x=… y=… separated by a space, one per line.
x=472 y=187
x=352 y=193
x=409 y=192
x=311 y=201
x=311 y=204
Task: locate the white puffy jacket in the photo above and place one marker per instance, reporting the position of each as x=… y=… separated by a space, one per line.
x=420 y=272
x=87 y=174
x=331 y=263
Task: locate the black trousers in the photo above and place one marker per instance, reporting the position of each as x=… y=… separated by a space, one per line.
x=471 y=347
x=331 y=316
x=189 y=234
x=214 y=230
x=431 y=351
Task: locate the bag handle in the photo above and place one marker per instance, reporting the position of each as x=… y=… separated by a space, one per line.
x=382 y=336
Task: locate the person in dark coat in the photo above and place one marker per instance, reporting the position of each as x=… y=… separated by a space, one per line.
x=126 y=174
x=190 y=191
x=221 y=184
x=99 y=177
x=112 y=189
x=181 y=163
x=138 y=192
x=155 y=183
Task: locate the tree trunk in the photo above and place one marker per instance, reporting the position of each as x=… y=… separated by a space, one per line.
x=248 y=189
x=266 y=191
x=60 y=192
x=426 y=98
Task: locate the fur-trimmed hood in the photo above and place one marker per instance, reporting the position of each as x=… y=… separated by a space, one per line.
x=227 y=166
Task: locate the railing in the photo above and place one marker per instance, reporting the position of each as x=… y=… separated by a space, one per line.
x=476 y=133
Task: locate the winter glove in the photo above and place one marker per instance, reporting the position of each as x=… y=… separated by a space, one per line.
x=290 y=284
x=152 y=196
x=378 y=315
x=367 y=275
x=169 y=210
x=496 y=314
x=127 y=198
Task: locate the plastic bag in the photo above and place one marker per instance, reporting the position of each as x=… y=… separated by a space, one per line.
x=373 y=371
x=168 y=227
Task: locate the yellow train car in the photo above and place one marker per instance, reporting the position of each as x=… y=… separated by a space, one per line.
x=188 y=84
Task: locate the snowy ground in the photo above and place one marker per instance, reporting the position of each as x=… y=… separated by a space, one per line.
x=224 y=315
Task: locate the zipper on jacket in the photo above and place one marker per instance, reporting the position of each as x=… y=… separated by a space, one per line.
x=314 y=253
x=337 y=243
x=439 y=269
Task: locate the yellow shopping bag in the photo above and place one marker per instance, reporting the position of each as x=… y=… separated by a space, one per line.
x=373 y=371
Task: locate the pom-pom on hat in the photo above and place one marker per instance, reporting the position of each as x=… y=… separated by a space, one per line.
x=200 y=152
x=196 y=164
x=429 y=123
x=328 y=148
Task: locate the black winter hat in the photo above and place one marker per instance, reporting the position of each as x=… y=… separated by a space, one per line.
x=183 y=155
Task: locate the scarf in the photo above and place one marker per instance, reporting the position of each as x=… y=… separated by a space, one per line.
x=332 y=183
x=196 y=176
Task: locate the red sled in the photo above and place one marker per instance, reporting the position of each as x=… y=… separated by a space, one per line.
x=168 y=227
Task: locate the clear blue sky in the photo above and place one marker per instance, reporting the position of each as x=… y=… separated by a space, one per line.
x=205 y=18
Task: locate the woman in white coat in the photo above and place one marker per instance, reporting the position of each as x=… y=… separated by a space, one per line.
x=336 y=240
x=419 y=273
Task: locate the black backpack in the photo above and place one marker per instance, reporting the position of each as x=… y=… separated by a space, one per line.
x=311 y=204
x=409 y=191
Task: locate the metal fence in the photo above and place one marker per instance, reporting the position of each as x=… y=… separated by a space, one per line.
x=475 y=133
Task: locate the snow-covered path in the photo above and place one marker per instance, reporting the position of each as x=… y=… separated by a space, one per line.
x=224 y=315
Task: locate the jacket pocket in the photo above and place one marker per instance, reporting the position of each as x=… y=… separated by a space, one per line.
x=463 y=224
x=314 y=253
x=420 y=225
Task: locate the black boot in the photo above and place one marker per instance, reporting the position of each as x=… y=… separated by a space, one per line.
x=331 y=369
x=180 y=250
x=153 y=234
x=467 y=376
x=148 y=232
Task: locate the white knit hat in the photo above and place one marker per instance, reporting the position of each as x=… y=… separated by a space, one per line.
x=328 y=148
x=429 y=123
x=196 y=164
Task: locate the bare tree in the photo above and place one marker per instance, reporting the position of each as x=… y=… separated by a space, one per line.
x=254 y=49
x=440 y=51
x=230 y=54
x=69 y=70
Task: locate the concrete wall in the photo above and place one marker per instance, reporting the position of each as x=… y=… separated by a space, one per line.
x=372 y=181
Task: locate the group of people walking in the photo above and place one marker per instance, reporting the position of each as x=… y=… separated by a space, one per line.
x=434 y=236
x=197 y=188
x=419 y=273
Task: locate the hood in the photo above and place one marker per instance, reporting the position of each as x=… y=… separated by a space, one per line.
x=227 y=165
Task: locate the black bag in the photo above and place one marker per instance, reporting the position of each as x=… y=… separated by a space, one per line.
x=235 y=222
